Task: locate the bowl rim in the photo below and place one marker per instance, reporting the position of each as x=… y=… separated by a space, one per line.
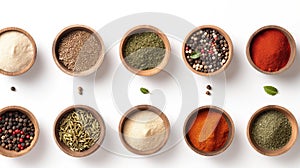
x=292 y=121
x=230 y=48
x=22 y=71
x=65 y=148
x=66 y=31
x=191 y=118
x=292 y=47
x=137 y=109
x=11 y=153
x=146 y=28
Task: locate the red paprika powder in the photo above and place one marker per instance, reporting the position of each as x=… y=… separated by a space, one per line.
x=270 y=50
x=209 y=132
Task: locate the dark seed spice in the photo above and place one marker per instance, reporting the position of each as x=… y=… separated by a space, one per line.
x=271 y=130
x=13 y=89
x=79 y=50
x=208 y=93
x=206 y=50
x=144 y=51
x=80 y=90
x=16 y=131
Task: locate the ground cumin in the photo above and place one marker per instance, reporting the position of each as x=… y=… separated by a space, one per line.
x=209 y=132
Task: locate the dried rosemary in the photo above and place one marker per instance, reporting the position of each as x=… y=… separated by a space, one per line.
x=79 y=130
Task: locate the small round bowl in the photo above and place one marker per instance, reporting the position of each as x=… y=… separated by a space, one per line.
x=30 y=64
x=138 y=109
x=191 y=119
x=11 y=153
x=64 y=33
x=293 y=137
x=291 y=42
x=141 y=29
x=230 y=48
x=64 y=147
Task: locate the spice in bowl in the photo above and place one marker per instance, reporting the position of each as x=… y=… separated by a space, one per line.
x=17 y=51
x=207 y=50
x=271 y=130
x=18 y=131
x=144 y=50
x=144 y=130
x=79 y=130
x=271 y=49
x=78 y=50
x=208 y=130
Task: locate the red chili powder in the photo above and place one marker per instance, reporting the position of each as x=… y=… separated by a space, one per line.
x=270 y=50
x=209 y=132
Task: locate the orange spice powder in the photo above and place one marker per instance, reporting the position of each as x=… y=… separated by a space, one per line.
x=209 y=132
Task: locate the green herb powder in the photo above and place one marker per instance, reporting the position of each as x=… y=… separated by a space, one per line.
x=271 y=130
x=144 y=51
x=79 y=130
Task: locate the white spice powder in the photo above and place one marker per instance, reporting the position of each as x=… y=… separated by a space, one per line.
x=144 y=131
x=16 y=51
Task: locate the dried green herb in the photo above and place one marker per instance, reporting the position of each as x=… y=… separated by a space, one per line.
x=144 y=50
x=144 y=90
x=196 y=55
x=271 y=90
x=79 y=130
x=271 y=130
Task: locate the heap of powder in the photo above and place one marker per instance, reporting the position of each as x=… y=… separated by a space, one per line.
x=16 y=51
x=209 y=132
x=271 y=130
x=144 y=131
x=79 y=50
x=270 y=50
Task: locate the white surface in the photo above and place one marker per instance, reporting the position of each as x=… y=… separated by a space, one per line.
x=45 y=90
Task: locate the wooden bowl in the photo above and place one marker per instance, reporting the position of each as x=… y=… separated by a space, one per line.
x=30 y=64
x=294 y=134
x=191 y=119
x=64 y=33
x=292 y=46
x=11 y=153
x=138 y=109
x=230 y=47
x=64 y=147
x=140 y=29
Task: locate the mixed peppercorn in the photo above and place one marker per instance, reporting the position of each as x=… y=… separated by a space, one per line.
x=206 y=50
x=16 y=131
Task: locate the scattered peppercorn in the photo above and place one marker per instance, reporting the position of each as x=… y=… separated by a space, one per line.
x=16 y=131
x=80 y=90
x=206 y=50
x=13 y=89
x=208 y=87
x=208 y=93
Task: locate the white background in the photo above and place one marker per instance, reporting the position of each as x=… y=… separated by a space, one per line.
x=45 y=90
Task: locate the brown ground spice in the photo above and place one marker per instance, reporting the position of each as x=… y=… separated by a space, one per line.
x=79 y=50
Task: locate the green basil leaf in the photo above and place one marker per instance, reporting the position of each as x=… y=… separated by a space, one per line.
x=270 y=90
x=144 y=90
x=195 y=55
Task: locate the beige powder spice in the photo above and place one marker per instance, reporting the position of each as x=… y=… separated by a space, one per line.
x=16 y=51
x=144 y=131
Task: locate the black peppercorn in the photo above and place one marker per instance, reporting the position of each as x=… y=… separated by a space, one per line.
x=17 y=131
